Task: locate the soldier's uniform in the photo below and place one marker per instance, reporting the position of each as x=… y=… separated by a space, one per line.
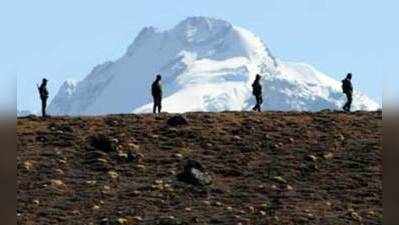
x=43 y=96
x=347 y=88
x=156 y=90
x=257 y=92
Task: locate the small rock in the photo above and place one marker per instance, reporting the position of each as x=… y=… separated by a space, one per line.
x=122 y=221
x=177 y=120
x=57 y=183
x=356 y=216
x=28 y=165
x=311 y=158
x=96 y=207
x=141 y=167
x=122 y=155
x=113 y=174
x=178 y=155
x=158 y=182
x=103 y=143
x=289 y=188
x=279 y=179
x=328 y=156
x=36 y=202
x=218 y=204
x=251 y=209
x=138 y=218
x=91 y=182
x=104 y=221
x=134 y=146
x=194 y=173
x=206 y=202
x=59 y=171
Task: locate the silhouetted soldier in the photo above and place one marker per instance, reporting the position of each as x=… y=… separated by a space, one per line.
x=257 y=92
x=43 y=96
x=156 y=90
x=347 y=88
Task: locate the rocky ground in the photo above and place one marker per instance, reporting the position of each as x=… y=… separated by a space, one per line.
x=260 y=168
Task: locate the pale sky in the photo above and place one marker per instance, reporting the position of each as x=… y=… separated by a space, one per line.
x=66 y=39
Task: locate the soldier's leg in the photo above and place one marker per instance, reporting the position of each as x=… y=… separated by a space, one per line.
x=159 y=105
x=260 y=102
x=346 y=103
x=159 y=108
x=43 y=107
x=256 y=105
x=349 y=102
x=154 y=108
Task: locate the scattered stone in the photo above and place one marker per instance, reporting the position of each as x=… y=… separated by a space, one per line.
x=103 y=143
x=311 y=158
x=113 y=174
x=218 y=204
x=194 y=173
x=169 y=221
x=132 y=157
x=134 y=146
x=59 y=171
x=251 y=209
x=179 y=156
x=236 y=137
x=57 y=183
x=121 y=221
x=328 y=156
x=208 y=203
x=122 y=156
x=136 y=219
x=104 y=221
x=28 y=165
x=36 y=202
x=177 y=120
x=289 y=188
x=279 y=179
x=141 y=167
x=96 y=207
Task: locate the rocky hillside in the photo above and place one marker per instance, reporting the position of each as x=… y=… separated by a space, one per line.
x=250 y=168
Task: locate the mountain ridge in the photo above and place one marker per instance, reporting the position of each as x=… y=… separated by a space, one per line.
x=208 y=59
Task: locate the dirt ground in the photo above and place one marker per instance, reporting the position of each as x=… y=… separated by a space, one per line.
x=280 y=168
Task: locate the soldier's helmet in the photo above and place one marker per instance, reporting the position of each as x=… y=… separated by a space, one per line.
x=349 y=76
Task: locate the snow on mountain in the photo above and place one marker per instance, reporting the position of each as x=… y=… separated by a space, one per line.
x=207 y=65
x=23 y=113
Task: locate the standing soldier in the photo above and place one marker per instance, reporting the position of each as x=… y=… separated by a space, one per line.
x=43 y=96
x=347 y=88
x=156 y=90
x=257 y=92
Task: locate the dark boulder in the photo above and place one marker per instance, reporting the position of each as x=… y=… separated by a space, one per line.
x=177 y=120
x=194 y=173
x=103 y=143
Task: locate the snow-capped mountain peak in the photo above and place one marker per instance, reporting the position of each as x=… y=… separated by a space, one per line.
x=207 y=65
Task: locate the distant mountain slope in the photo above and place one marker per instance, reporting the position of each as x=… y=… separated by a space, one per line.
x=207 y=65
